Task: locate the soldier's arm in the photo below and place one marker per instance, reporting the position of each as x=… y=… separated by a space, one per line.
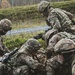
x=41 y=55
x=54 y=21
x=71 y=16
x=40 y=36
x=68 y=13
x=3 y=46
x=7 y=50
x=29 y=61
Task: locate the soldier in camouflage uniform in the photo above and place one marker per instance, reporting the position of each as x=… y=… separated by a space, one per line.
x=64 y=55
x=5 y=26
x=59 y=20
x=56 y=18
x=26 y=59
x=56 y=43
x=57 y=37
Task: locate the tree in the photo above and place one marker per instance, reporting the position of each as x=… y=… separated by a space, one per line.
x=5 y=4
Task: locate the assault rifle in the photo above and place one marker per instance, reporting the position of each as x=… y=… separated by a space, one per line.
x=5 y=58
x=41 y=34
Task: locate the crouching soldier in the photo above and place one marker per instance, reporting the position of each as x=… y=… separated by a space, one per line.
x=56 y=18
x=27 y=62
x=5 y=26
x=64 y=55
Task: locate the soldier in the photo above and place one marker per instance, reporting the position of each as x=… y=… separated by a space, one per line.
x=26 y=58
x=56 y=18
x=54 y=39
x=5 y=26
x=64 y=56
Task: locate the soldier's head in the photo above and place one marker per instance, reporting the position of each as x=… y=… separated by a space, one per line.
x=32 y=45
x=43 y=7
x=5 y=26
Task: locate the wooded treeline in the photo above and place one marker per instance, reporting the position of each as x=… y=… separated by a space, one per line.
x=25 y=2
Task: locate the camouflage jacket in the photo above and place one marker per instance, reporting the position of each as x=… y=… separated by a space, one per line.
x=3 y=48
x=59 y=19
x=67 y=35
x=24 y=57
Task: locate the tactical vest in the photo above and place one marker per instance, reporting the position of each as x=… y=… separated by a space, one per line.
x=64 y=20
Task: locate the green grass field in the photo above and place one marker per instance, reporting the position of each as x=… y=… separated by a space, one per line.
x=12 y=41
x=28 y=23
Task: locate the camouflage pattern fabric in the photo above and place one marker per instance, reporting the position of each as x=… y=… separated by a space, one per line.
x=54 y=63
x=5 y=25
x=3 y=69
x=73 y=65
x=25 y=57
x=57 y=19
x=64 y=46
x=3 y=48
x=22 y=70
x=25 y=54
x=49 y=34
x=65 y=55
x=41 y=55
x=57 y=37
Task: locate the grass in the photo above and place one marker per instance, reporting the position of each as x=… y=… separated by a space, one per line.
x=31 y=12
x=28 y=23
x=17 y=40
x=13 y=41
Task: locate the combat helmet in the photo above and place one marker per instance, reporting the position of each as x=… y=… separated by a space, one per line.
x=5 y=24
x=42 y=5
x=32 y=44
x=65 y=46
